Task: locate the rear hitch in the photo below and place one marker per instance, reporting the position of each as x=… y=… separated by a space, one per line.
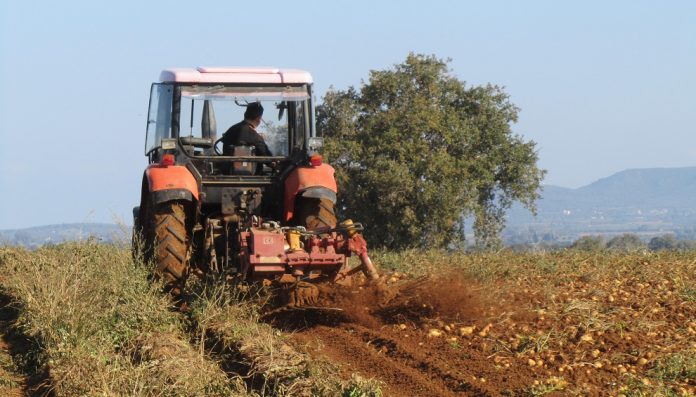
x=358 y=246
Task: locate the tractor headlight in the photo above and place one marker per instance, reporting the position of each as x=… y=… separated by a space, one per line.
x=168 y=144
x=315 y=143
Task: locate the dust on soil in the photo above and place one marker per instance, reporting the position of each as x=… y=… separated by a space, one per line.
x=386 y=331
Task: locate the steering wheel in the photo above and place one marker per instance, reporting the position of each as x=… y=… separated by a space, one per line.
x=215 y=146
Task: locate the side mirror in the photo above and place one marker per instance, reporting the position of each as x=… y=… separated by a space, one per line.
x=281 y=109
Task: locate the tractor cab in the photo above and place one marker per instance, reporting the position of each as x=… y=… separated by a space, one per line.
x=190 y=110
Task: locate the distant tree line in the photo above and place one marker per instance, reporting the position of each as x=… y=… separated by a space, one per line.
x=627 y=242
x=630 y=243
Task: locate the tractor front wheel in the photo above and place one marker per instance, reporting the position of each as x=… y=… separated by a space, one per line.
x=171 y=245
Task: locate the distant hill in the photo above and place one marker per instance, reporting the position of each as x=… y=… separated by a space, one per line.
x=53 y=234
x=647 y=202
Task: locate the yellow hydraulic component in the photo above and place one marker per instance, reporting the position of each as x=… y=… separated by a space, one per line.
x=348 y=225
x=293 y=237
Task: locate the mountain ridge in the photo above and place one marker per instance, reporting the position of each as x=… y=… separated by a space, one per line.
x=35 y=236
x=646 y=201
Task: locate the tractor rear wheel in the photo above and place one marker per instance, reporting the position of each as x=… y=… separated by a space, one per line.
x=171 y=243
x=314 y=213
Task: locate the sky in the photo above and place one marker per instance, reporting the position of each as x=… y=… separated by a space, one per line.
x=602 y=86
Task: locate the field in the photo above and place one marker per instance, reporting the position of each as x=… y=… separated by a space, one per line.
x=83 y=319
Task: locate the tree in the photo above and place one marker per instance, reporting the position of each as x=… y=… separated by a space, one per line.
x=664 y=242
x=417 y=151
x=589 y=243
x=626 y=242
x=686 y=245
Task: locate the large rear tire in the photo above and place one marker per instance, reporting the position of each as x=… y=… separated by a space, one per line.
x=315 y=213
x=171 y=245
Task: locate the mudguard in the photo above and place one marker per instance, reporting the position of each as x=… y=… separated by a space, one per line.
x=174 y=182
x=309 y=181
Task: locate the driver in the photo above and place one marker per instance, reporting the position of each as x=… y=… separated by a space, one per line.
x=244 y=133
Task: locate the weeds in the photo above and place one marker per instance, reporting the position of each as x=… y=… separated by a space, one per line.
x=689 y=294
x=550 y=385
x=532 y=343
x=93 y=314
x=102 y=328
x=679 y=367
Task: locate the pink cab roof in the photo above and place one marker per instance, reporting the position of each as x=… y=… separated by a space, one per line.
x=235 y=75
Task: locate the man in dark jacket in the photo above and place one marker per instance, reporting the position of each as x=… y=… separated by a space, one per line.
x=244 y=133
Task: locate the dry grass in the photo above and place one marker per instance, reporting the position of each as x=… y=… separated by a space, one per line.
x=100 y=328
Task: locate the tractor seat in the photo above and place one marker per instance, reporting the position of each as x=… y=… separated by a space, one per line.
x=241 y=167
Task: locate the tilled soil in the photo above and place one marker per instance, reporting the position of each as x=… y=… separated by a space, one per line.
x=448 y=336
x=407 y=368
x=386 y=333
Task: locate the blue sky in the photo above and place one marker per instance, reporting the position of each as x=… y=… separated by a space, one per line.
x=603 y=86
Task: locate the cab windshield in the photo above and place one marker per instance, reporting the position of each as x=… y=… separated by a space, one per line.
x=208 y=111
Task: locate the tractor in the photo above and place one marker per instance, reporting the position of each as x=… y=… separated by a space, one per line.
x=209 y=206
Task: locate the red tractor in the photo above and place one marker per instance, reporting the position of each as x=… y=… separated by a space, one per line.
x=208 y=205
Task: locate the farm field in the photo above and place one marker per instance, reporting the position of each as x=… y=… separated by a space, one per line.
x=83 y=319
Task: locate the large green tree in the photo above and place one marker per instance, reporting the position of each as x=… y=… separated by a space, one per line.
x=417 y=151
x=626 y=242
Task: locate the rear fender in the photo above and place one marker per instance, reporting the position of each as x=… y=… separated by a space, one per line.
x=168 y=183
x=315 y=182
x=161 y=184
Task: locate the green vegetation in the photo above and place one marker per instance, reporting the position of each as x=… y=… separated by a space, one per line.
x=589 y=243
x=631 y=243
x=670 y=242
x=676 y=367
x=416 y=151
x=626 y=243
